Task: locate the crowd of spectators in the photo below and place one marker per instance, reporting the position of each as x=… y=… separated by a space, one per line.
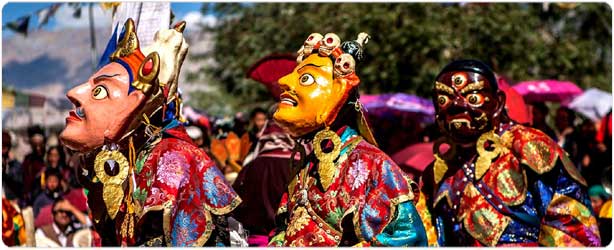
x=45 y=184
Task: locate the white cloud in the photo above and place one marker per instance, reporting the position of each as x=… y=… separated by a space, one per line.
x=195 y=18
x=64 y=17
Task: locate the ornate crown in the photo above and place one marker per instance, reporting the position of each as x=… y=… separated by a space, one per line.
x=155 y=75
x=344 y=54
x=142 y=70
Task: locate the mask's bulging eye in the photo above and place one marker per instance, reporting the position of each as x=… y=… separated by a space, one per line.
x=475 y=99
x=459 y=80
x=99 y=92
x=443 y=100
x=306 y=79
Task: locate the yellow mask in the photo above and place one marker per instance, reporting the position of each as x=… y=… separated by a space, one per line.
x=310 y=96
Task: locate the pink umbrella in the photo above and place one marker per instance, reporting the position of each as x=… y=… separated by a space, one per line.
x=548 y=91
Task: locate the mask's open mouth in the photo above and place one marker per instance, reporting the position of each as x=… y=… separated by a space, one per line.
x=287 y=99
x=459 y=123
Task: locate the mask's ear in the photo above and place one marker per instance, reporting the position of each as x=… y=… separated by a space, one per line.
x=330 y=112
x=500 y=109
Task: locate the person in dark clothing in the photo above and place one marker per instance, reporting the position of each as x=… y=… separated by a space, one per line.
x=257 y=119
x=601 y=202
x=564 y=123
x=262 y=182
x=12 y=175
x=540 y=112
x=588 y=156
x=51 y=192
x=33 y=163
x=56 y=159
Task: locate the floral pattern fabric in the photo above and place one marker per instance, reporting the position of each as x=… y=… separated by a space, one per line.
x=180 y=179
x=367 y=186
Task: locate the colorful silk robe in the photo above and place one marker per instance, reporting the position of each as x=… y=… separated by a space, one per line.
x=178 y=191
x=530 y=195
x=13 y=225
x=369 y=202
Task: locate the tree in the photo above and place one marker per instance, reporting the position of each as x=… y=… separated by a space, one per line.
x=411 y=42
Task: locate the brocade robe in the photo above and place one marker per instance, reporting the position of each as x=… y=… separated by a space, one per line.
x=369 y=202
x=531 y=194
x=180 y=197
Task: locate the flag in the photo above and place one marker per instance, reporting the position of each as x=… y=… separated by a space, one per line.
x=77 y=13
x=20 y=25
x=8 y=99
x=36 y=100
x=149 y=17
x=45 y=14
x=21 y=100
x=109 y=5
x=76 y=9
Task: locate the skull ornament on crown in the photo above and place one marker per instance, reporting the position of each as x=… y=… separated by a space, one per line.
x=314 y=93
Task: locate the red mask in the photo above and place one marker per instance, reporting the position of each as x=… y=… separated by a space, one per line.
x=466 y=105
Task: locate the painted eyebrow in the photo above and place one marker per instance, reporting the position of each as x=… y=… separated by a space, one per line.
x=100 y=77
x=443 y=88
x=309 y=64
x=472 y=87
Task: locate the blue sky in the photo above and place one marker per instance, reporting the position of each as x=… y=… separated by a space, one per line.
x=13 y=11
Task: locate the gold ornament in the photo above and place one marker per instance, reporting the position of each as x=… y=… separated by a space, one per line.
x=129 y=43
x=441 y=167
x=145 y=81
x=485 y=156
x=326 y=167
x=112 y=191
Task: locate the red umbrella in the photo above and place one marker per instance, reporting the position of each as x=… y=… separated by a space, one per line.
x=270 y=68
x=514 y=103
x=416 y=157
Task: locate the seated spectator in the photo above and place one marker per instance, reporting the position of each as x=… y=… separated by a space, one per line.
x=12 y=176
x=51 y=191
x=61 y=232
x=33 y=163
x=55 y=159
x=602 y=206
